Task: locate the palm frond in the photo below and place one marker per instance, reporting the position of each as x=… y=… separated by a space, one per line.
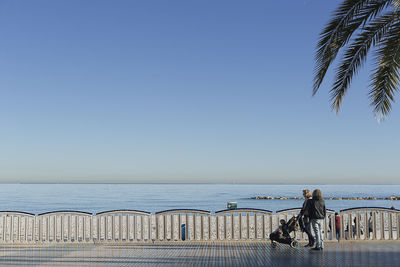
x=355 y=55
x=385 y=78
x=349 y=16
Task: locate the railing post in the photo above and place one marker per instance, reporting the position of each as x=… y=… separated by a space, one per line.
x=382 y=224
x=358 y=225
x=333 y=223
x=264 y=227
x=390 y=226
x=270 y=225
x=373 y=224
x=325 y=227
x=342 y=226
x=366 y=230
x=398 y=225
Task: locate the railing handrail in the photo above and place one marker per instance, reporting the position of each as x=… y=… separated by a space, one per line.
x=66 y=212
x=189 y=210
x=126 y=211
x=243 y=210
x=369 y=208
x=16 y=212
x=295 y=209
x=292 y=209
x=184 y=211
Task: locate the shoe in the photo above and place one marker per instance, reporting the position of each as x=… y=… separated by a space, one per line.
x=317 y=249
x=308 y=245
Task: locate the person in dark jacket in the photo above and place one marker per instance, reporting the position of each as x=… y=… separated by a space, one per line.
x=317 y=213
x=337 y=225
x=306 y=219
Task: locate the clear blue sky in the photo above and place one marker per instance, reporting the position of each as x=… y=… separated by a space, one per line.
x=180 y=91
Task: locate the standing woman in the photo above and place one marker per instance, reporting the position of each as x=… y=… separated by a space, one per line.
x=317 y=213
x=306 y=218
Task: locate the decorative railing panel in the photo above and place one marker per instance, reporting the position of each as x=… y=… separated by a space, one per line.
x=122 y=226
x=64 y=226
x=370 y=223
x=196 y=224
x=243 y=224
x=16 y=227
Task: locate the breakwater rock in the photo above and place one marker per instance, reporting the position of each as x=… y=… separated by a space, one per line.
x=333 y=198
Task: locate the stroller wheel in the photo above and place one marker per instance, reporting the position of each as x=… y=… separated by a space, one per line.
x=294 y=244
x=273 y=244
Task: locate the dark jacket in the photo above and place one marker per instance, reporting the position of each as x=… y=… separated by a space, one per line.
x=316 y=208
x=304 y=210
x=337 y=221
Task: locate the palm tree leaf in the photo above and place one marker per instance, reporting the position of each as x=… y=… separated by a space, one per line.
x=349 y=16
x=385 y=78
x=355 y=55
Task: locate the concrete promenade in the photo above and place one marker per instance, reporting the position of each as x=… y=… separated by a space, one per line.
x=346 y=253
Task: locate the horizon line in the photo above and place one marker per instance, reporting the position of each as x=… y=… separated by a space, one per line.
x=232 y=183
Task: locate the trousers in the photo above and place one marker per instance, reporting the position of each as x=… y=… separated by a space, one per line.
x=317 y=227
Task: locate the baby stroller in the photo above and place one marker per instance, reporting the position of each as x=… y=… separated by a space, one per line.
x=282 y=234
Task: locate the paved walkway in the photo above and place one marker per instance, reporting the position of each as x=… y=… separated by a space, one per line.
x=371 y=253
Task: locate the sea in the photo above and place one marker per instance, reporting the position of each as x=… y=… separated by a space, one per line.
x=94 y=198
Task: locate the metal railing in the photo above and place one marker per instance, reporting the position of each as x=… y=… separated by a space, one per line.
x=117 y=226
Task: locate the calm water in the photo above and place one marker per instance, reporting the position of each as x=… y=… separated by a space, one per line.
x=37 y=198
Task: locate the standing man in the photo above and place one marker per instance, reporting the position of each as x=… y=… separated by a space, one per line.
x=317 y=213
